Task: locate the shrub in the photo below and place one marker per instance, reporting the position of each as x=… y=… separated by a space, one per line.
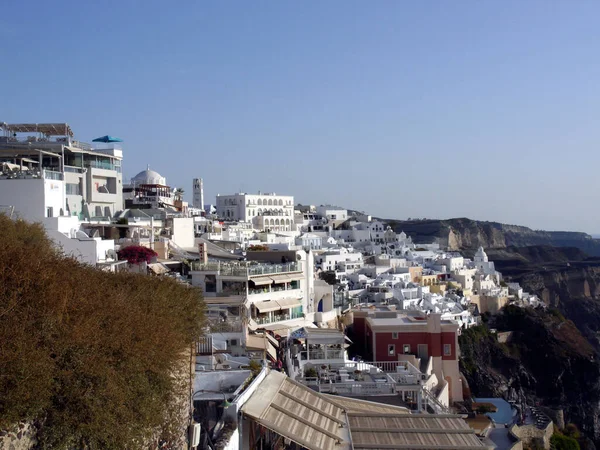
x=561 y=442
x=258 y=248
x=136 y=254
x=311 y=372
x=90 y=354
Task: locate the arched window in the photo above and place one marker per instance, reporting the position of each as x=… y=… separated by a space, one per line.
x=287 y=221
x=260 y=211
x=270 y=201
x=276 y=221
x=280 y=202
x=259 y=201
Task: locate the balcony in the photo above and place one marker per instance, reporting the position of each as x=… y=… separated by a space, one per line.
x=273 y=318
x=246 y=269
x=30 y=174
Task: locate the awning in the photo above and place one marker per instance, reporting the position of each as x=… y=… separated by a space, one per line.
x=261 y=281
x=261 y=343
x=158 y=268
x=295 y=276
x=279 y=278
x=267 y=306
x=287 y=303
x=272 y=340
x=275 y=305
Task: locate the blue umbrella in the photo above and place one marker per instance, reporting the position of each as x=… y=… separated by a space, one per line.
x=107 y=139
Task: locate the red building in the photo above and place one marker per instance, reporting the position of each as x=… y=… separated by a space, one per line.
x=387 y=335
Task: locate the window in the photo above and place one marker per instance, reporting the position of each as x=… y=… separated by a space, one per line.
x=395 y=335
x=406 y=349
x=391 y=350
x=447 y=350
x=73 y=189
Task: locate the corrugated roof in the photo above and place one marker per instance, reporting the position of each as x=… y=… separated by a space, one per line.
x=354 y=405
x=411 y=431
x=298 y=413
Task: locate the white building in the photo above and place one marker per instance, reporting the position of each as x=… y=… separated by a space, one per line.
x=45 y=172
x=310 y=241
x=149 y=189
x=277 y=286
x=267 y=211
x=482 y=264
x=332 y=212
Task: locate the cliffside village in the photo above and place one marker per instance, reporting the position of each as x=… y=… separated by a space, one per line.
x=325 y=328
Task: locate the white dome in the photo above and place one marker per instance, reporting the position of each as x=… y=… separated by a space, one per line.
x=149 y=177
x=481 y=255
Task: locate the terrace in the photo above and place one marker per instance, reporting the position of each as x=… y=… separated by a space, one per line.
x=246 y=269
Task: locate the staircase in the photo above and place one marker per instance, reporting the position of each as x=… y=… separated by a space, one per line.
x=430 y=400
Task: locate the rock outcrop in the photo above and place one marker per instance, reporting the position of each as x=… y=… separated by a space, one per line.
x=462 y=233
x=547 y=362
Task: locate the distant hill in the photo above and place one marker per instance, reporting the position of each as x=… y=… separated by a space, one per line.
x=467 y=234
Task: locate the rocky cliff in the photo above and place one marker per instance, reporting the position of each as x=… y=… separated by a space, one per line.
x=546 y=362
x=462 y=233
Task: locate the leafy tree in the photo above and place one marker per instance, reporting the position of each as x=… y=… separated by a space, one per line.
x=91 y=355
x=329 y=277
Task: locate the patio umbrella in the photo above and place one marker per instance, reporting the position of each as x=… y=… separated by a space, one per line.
x=107 y=139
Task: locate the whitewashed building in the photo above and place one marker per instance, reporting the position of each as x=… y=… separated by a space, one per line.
x=267 y=211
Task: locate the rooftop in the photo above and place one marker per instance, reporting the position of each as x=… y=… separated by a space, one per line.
x=323 y=422
x=298 y=413
x=47 y=129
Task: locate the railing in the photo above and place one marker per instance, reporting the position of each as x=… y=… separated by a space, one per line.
x=357 y=388
x=74 y=169
x=103 y=165
x=383 y=366
x=434 y=403
x=404 y=378
x=278 y=318
x=52 y=175
x=308 y=355
x=226 y=327
x=81 y=145
x=240 y=270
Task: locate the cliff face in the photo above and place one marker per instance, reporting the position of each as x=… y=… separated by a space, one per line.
x=547 y=361
x=462 y=233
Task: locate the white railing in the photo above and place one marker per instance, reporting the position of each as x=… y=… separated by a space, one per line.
x=434 y=403
x=308 y=355
x=357 y=388
x=383 y=366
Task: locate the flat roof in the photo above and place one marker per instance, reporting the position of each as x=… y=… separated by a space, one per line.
x=49 y=129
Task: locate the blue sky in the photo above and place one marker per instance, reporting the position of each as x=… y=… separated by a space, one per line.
x=433 y=109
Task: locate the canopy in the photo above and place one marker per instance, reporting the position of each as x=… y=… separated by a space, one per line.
x=107 y=139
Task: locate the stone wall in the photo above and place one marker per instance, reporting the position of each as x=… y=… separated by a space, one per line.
x=20 y=437
x=530 y=433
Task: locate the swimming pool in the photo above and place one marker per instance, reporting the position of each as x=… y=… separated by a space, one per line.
x=504 y=414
